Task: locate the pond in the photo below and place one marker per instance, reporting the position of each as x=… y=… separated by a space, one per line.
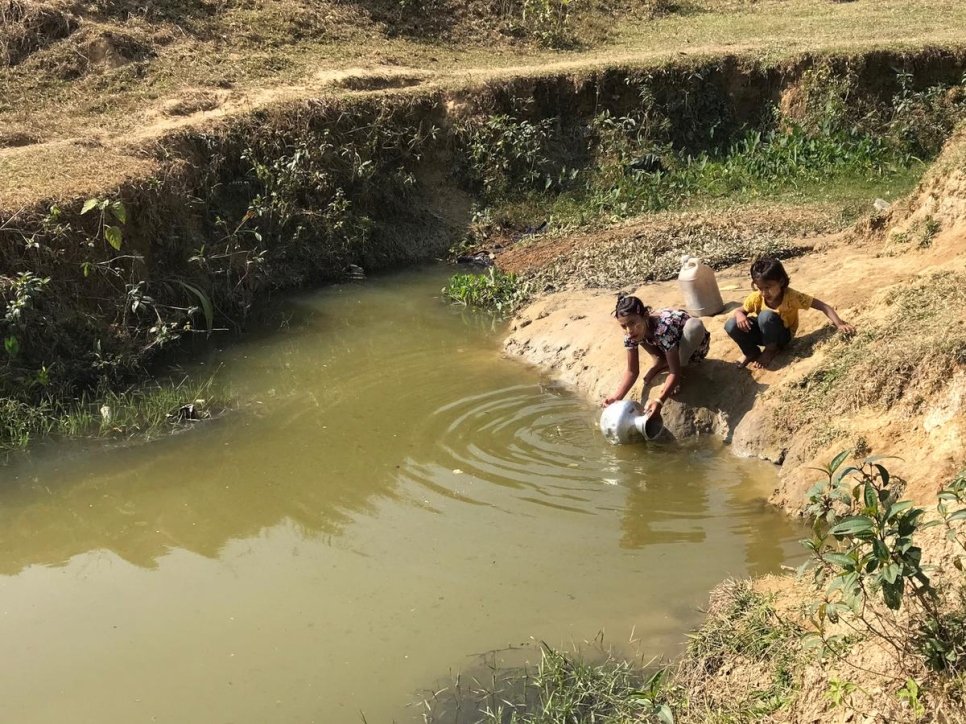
x=392 y=500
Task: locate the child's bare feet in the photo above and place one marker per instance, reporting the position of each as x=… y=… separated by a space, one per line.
x=746 y=360
x=765 y=358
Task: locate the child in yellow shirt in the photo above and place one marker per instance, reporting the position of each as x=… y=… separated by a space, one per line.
x=769 y=316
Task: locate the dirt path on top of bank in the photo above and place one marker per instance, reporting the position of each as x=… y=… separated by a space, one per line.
x=572 y=334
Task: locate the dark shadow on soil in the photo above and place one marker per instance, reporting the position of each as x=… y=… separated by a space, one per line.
x=713 y=392
x=805 y=345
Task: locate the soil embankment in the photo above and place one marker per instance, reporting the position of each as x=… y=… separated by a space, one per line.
x=897 y=388
x=911 y=404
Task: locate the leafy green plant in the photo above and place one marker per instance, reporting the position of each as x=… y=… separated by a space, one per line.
x=952 y=510
x=910 y=693
x=863 y=551
x=503 y=154
x=491 y=290
x=839 y=691
x=109 y=210
x=863 y=538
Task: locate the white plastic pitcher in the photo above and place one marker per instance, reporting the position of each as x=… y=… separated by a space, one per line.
x=702 y=298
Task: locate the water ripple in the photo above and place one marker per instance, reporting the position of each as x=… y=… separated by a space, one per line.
x=522 y=437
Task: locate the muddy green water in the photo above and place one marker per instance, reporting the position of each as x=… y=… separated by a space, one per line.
x=395 y=500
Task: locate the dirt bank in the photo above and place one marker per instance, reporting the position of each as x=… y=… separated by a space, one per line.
x=896 y=388
x=817 y=399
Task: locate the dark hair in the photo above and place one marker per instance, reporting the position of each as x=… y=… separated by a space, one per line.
x=767 y=269
x=626 y=305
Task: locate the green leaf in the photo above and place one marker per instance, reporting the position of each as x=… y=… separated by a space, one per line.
x=114 y=236
x=892 y=594
x=119 y=211
x=844 y=472
x=89 y=205
x=856 y=525
x=838 y=460
x=12 y=346
x=871 y=499
x=204 y=301
x=840 y=559
x=664 y=714
x=958 y=515
x=891 y=572
x=880 y=550
x=883 y=473
x=900 y=507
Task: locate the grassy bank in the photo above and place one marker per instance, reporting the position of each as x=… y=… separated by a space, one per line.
x=825 y=143
x=143 y=411
x=95 y=289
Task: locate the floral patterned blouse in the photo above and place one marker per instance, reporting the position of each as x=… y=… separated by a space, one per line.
x=667 y=334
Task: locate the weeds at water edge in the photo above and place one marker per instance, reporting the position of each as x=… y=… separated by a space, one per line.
x=143 y=411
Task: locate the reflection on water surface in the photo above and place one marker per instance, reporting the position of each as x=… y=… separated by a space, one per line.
x=395 y=499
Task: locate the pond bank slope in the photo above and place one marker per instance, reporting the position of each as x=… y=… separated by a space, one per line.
x=897 y=388
x=906 y=397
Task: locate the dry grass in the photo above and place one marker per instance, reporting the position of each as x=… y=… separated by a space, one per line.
x=26 y=27
x=908 y=344
x=110 y=76
x=743 y=665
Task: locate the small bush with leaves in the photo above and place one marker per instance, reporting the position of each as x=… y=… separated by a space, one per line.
x=549 y=22
x=503 y=154
x=109 y=210
x=492 y=290
x=863 y=538
x=864 y=550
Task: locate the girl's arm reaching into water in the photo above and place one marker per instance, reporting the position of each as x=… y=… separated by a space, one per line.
x=627 y=382
x=833 y=317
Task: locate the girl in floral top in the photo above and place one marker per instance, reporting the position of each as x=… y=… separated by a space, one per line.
x=671 y=336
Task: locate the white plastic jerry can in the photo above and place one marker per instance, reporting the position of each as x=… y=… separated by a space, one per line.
x=702 y=298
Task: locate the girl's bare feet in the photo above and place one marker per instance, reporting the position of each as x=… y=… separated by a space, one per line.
x=746 y=360
x=765 y=358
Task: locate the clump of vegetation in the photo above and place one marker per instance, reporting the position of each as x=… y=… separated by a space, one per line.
x=501 y=154
x=143 y=411
x=564 y=689
x=866 y=371
x=491 y=290
x=549 y=21
x=744 y=632
x=865 y=555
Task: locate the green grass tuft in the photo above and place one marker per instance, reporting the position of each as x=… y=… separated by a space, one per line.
x=145 y=411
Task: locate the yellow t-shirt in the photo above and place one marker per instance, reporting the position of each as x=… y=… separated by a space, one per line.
x=787 y=310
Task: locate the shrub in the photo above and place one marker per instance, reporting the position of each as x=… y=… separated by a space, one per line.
x=492 y=290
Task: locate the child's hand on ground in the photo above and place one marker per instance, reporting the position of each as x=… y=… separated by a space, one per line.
x=845 y=327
